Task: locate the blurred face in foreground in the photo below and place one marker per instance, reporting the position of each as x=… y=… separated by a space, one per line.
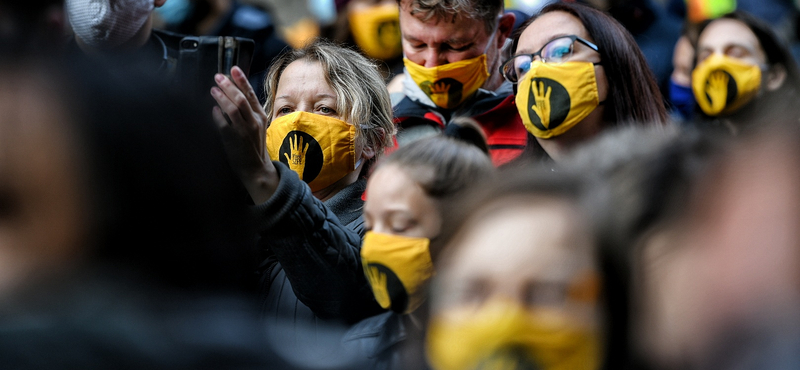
x=724 y=280
x=42 y=211
x=520 y=286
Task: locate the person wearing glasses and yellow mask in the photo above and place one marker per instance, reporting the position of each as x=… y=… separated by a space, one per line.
x=578 y=71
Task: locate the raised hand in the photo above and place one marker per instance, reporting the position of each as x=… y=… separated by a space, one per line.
x=243 y=125
x=378 y=282
x=297 y=160
x=717 y=90
x=542 y=99
x=440 y=94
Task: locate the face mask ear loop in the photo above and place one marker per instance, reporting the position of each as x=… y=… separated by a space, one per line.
x=604 y=101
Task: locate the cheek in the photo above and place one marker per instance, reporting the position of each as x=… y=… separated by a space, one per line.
x=602 y=83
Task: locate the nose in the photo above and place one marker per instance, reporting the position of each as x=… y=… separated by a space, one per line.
x=381 y=228
x=434 y=58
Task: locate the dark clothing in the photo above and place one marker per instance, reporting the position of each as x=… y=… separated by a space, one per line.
x=387 y=341
x=311 y=269
x=107 y=320
x=495 y=112
x=159 y=56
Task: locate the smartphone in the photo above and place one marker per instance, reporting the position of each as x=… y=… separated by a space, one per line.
x=201 y=57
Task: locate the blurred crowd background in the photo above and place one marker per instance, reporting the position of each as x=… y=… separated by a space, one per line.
x=339 y=184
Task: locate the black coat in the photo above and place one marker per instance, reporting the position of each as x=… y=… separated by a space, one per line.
x=311 y=267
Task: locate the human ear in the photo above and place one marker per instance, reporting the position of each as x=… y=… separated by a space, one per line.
x=505 y=25
x=368 y=151
x=775 y=77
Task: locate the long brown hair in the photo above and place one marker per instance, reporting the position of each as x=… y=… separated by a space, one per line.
x=633 y=94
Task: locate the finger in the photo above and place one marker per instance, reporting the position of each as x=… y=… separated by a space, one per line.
x=288 y=159
x=236 y=97
x=219 y=119
x=244 y=85
x=227 y=106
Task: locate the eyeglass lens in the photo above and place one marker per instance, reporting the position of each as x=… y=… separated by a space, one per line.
x=555 y=51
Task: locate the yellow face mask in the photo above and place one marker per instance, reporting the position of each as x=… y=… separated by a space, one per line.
x=723 y=84
x=503 y=335
x=552 y=99
x=450 y=84
x=320 y=149
x=376 y=30
x=397 y=268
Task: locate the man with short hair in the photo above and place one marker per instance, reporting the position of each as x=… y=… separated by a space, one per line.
x=453 y=51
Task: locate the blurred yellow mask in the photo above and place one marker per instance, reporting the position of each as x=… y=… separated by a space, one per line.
x=553 y=98
x=397 y=268
x=320 y=149
x=723 y=84
x=448 y=85
x=376 y=30
x=503 y=335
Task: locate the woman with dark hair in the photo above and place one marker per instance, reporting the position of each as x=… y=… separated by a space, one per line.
x=577 y=72
x=743 y=71
x=407 y=197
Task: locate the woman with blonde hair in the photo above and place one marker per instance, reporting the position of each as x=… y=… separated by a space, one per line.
x=326 y=120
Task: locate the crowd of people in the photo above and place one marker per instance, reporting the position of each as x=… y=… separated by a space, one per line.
x=418 y=184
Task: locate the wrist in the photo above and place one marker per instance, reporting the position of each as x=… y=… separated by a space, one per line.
x=262 y=183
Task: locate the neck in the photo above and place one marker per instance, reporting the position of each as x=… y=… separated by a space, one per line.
x=328 y=192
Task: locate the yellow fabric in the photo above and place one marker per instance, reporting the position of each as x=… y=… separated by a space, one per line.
x=397 y=267
x=553 y=98
x=450 y=84
x=320 y=149
x=376 y=30
x=723 y=84
x=503 y=335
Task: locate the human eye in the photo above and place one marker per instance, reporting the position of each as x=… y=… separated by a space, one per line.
x=557 y=50
x=737 y=51
x=328 y=111
x=522 y=64
x=284 y=111
x=458 y=48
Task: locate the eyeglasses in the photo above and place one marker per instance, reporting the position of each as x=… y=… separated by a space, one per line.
x=558 y=50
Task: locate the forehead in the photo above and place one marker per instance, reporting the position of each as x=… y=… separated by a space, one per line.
x=549 y=26
x=544 y=239
x=390 y=185
x=440 y=30
x=722 y=33
x=303 y=75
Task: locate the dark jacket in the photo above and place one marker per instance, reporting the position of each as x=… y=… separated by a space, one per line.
x=387 y=341
x=109 y=320
x=311 y=267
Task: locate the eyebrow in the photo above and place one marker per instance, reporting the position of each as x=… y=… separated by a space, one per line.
x=319 y=96
x=528 y=51
x=452 y=41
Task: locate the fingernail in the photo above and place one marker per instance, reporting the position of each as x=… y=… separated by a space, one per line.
x=219 y=78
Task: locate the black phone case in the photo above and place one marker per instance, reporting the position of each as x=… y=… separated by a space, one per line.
x=201 y=57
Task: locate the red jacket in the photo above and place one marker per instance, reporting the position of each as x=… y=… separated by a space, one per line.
x=497 y=115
